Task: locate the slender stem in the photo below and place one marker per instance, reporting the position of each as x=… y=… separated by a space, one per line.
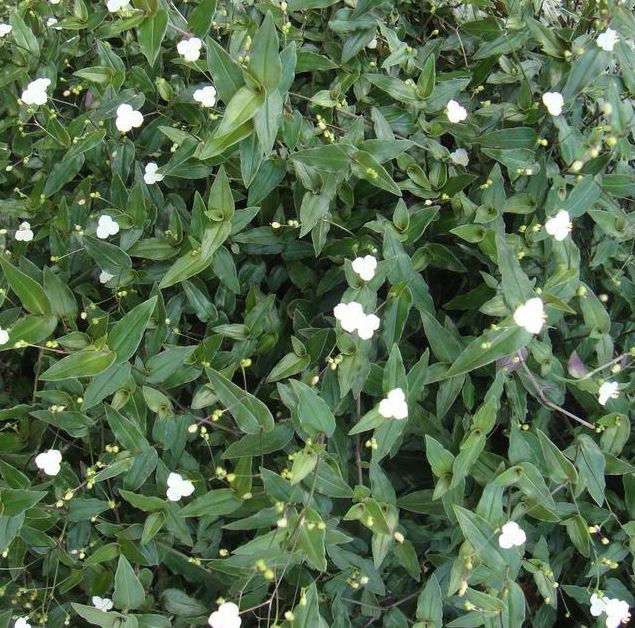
x=548 y=402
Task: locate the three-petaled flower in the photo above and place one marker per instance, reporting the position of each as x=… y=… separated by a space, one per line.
x=116 y=5
x=455 y=112
x=4 y=336
x=617 y=611
x=352 y=318
x=608 y=390
x=225 y=617
x=559 y=226
x=394 y=406
x=102 y=603
x=365 y=267
x=607 y=39
x=512 y=535
x=24 y=233
x=105 y=277
x=5 y=29
x=35 y=92
x=190 y=49
x=554 y=102
x=128 y=118
x=205 y=95
x=106 y=227
x=460 y=157
x=22 y=622
x=151 y=175
x=531 y=315
x=178 y=487
x=49 y=461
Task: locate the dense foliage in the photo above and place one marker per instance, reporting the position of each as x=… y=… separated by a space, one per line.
x=318 y=308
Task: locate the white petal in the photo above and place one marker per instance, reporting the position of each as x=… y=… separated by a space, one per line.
x=173 y=494
x=385 y=408
x=4 y=336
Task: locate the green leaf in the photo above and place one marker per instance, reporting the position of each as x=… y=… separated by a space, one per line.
x=97 y=617
x=590 y=463
x=200 y=19
x=215 y=503
x=109 y=258
x=488 y=348
x=126 y=335
x=560 y=468
x=365 y=166
x=515 y=137
x=516 y=285
x=240 y=109
x=126 y=431
x=430 y=603
x=85 y=363
x=227 y=75
x=29 y=291
x=330 y=158
x=264 y=58
x=62 y=173
x=151 y=32
x=60 y=296
x=250 y=414
x=261 y=443
x=16 y=501
x=480 y=535
x=181 y=604
x=128 y=593
x=313 y=412
x=30 y=329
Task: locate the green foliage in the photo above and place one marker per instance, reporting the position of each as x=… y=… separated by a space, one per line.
x=170 y=275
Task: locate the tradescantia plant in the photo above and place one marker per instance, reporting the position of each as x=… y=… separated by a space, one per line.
x=316 y=313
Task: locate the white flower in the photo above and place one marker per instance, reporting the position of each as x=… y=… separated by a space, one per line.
x=24 y=232
x=559 y=226
x=225 y=617
x=52 y=21
x=127 y=118
x=394 y=406
x=512 y=535
x=49 y=461
x=5 y=29
x=460 y=157
x=102 y=603
x=105 y=277
x=608 y=390
x=35 y=92
x=554 y=102
x=598 y=604
x=365 y=267
x=54 y=1
x=531 y=316
x=372 y=44
x=106 y=226
x=178 y=487
x=4 y=336
x=455 y=112
x=117 y=5
x=617 y=612
x=607 y=39
x=151 y=175
x=190 y=49
x=22 y=622
x=352 y=318
x=368 y=326
x=206 y=96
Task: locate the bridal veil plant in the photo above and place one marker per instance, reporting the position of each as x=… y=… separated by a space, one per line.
x=316 y=313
